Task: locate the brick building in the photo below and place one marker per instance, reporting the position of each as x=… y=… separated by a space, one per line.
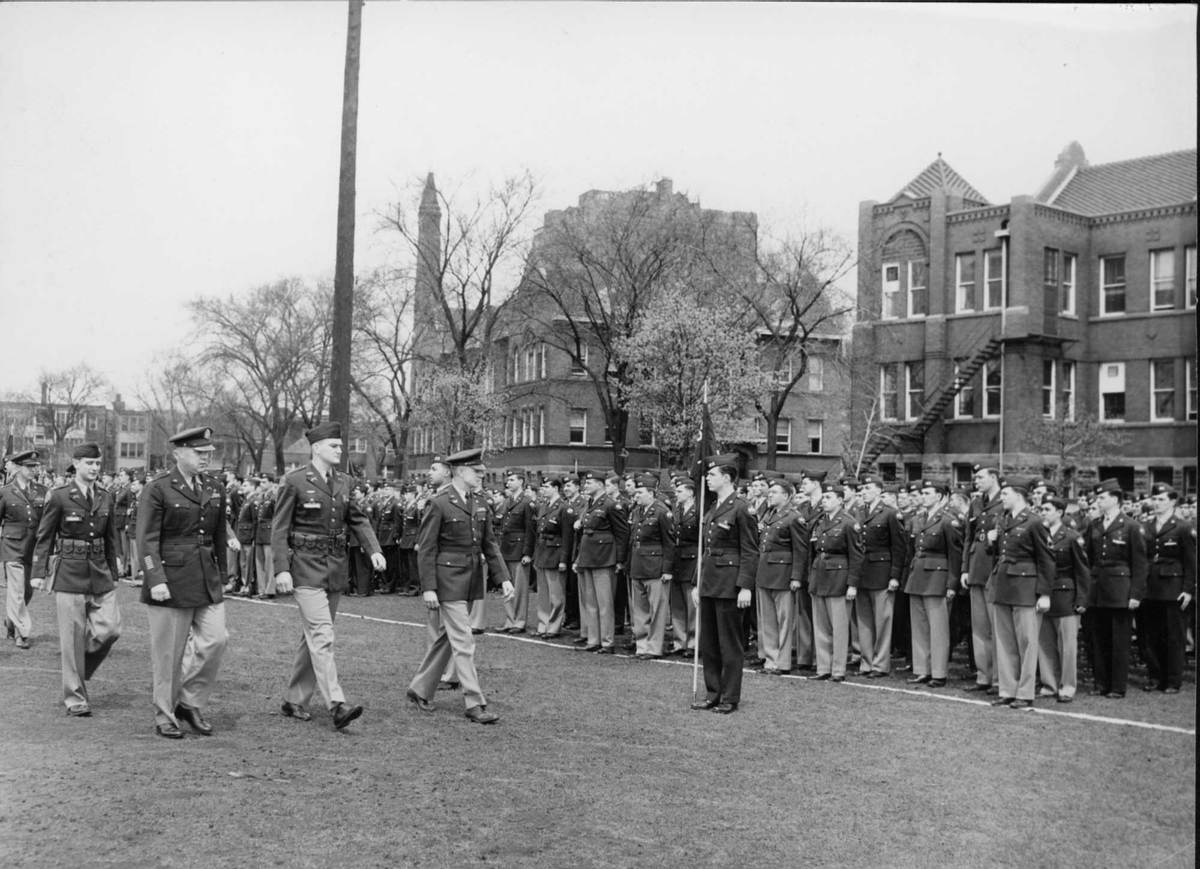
x=1011 y=332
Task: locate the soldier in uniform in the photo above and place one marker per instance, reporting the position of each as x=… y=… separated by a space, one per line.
x=407 y=545
x=1116 y=549
x=516 y=522
x=1019 y=592
x=884 y=550
x=652 y=540
x=601 y=542
x=725 y=584
x=121 y=496
x=264 y=555
x=136 y=487
x=683 y=571
x=1170 y=587
x=245 y=530
x=936 y=560
x=783 y=552
x=456 y=539
x=978 y=561
x=809 y=509
x=21 y=503
x=181 y=535
x=314 y=514
x=572 y=619
x=1059 y=636
x=835 y=557
x=389 y=520
x=78 y=518
x=551 y=555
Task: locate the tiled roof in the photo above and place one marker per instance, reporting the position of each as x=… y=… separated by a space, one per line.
x=939 y=175
x=1146 y=182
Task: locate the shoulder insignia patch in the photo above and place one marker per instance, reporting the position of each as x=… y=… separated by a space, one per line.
x=149 y=562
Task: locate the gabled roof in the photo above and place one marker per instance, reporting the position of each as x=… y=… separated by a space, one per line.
x=1127 y=185
x=938 y=175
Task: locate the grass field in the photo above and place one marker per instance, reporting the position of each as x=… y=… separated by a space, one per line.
x=596 y=762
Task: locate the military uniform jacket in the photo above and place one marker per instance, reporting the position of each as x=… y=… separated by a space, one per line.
x=555 y=534
x=1072 y=577
x=516 y=521
x=121 y=499
x=603 y=535
x=782 y=549
x=410 y=524
x=87 y=540
x=20 y=513
x=978 y=557
x=1171 y=553
x=181 y=538
x=1117 y=556
x=687 y=534
x=730 y=556
x=264 y=514
x=247 y=521
x=885 y=544
x=835 y=554
x=312 y=526
x=455 y=539
x=389 y=519
x=936 y=553
x=652 y=541
x=1024 y=567
x=131 y=516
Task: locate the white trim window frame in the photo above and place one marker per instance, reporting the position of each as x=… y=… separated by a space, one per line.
x=918 y=288
x=964 y=401
x=783 y=435
x=1189 y=276
x=1162 y=390
x=914 y=393
x=1068 y=390
x=1049 y=387
x=965 y=267
x=1113 y=285
x=889 y=399
x=1112 y=375
x=891 y=299
x=816 y=436
x=577 y=420
x=993 y=388
x=1070 y=272
x=993 y=279
x=1189 y=375
x=1162 y=279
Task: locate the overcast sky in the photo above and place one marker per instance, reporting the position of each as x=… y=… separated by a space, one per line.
x=154 y=152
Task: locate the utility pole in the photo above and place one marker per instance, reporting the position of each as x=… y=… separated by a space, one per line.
x=343 y=272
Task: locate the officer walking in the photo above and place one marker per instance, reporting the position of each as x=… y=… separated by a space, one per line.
x=21 y=504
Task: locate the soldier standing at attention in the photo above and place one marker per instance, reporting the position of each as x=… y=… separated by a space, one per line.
x=314 y=516
x=783 y=554
x=683 y=572
x=1058 y=640
x=78 y=517
x=730 y=559
x=936 y=561
x=264 y=555
x=1170 y=587
x=517 y=525
x=1116 y=549
x=651 y=560
x=601 y=541
x=555 y=533
x=977 y=560
x=21 y=504
x=885 y=547
x=456 y=538
x=182 y=538
x=835 y=556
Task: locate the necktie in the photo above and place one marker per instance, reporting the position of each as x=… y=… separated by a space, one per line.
x=90 y=503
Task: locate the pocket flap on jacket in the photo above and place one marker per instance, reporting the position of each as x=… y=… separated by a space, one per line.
x=454 y=559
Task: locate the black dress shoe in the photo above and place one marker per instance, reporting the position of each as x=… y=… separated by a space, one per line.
x=838 y=679
x=480 y=715
x=824 y=677
x=1002 y=701
x=1021 y=704
x=476 y=631
x=977 y=687
x=80 y=710
x=936 y=683
x=582 y=641
x=725 y=708
x=705 y=704
x=606 y=650
x=1062 y=698
x=917 y=680
x=168 y=731
x=877 y=674
x=1099 y=692
x=194 y=719
x=343 y=715
x=588 y=648
x=292 y=710
x=420 y=702
x=1115 y=695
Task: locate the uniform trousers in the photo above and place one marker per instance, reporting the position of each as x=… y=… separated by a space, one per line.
x=1058 y=652
x=186 y=647
x=831 y=633
x=124 y=552
x=450 y=627
x=16 y=610
x=391 y=573
x=721 y=649
x=550 y=601
x=620 y=599
x=1109 y=629
x=314 y=666
x=571 y=611
x=264 y=567
x=776 y=626
x=516 y=609
x=901 y=626
x=1017 y=629
x=233 y=565
x=983 y=636
x=134 y=564
x=873 y=612
x=805 y=655
x=683 y=614
x=410 y=579
x=1161 y=639
x=648 y=615
x=88 y=625
x=596 y=605
x=930 y=617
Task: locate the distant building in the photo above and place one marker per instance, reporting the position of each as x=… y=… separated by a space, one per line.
x=994 y=331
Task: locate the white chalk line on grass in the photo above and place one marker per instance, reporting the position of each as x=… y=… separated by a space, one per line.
x=1078 y=716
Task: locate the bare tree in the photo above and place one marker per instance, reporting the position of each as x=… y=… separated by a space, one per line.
x=1075 y=442
x=67 y=396
x=854 y=449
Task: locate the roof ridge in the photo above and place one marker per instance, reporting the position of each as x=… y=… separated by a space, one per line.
x=1141 y=159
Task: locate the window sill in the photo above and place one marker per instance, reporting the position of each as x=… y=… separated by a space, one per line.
x=1141 y=315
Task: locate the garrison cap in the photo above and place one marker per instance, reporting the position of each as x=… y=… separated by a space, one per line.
x=1017 y=484
x=28 y=459
x=985 y=468
x=783 y=483
x=324 y=431
x=1157 y=489
x=686 y=483
x=86 y=451
x=466 y=458
x=759 y=475
x=1111 y=485
x=514 y=472
x=646 y=481
x=939 y=486
x=830 y=486
x=815 y=476
x=199 y=439
x=849 y=482
x=598 y=476
x=724 y=462
x=1056 y=502
x=871 y=479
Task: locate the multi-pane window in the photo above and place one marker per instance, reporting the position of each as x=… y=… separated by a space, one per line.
x=132 y=450
x=1112 y=391
x=1189 y=368
x=577 y=426
x=1069 y=268
x=1048 y=371
x=1162 y=279
x=1162 y=389
x=918 y=289
x=1189 y=275
x=1068 y=390
x=579 y=364
x=889 y=391
x=783 y=436
x=964 y=402
x=514 y=365
x=964 y=282
x=993 y=275
x=914 y=387
x=892 y=299
x=1112 y=284
x=816 y=374
x=816 y=428
x=992 y=388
